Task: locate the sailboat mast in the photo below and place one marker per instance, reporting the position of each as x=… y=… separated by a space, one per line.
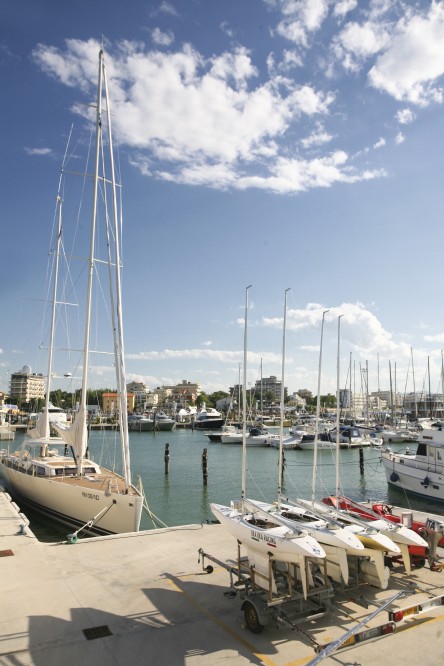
x=46 y=431
x=414 y=387
x=442 y=384
x=262 y=406
x=338 y=372
x=244 y=403
x=318 y=409
x=81 y=416
x=117 y=311
x=281 y=424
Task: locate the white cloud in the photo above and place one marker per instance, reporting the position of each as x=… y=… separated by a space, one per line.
x=210 y=121
x=380 y=143
x=356 y=43
x=162 y=38
x=405 y=116
x=319 y=137
x=167 y=8
x=409 y=68
x=360 y=328
x=434 y=338
x=301 y=18
x=343 y=7
x=227 y=29
x=220 y=356
x=38 y=151
x=399 y=138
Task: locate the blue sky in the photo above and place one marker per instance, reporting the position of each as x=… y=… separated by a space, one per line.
x=274 y=143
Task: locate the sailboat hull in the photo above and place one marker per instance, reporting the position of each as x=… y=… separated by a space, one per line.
x=370 y=537
x=75 y=502
x=275 y=541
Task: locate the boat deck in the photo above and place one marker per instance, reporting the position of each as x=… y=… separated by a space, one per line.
x=141 y=598
x=104 y=481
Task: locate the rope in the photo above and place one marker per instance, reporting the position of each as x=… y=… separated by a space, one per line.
x=72 y=538
x=157 y=522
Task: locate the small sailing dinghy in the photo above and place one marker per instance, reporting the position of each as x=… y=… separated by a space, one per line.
x=373 y=544
x=267 y=534
x=332 y=537
x=400 y=534
x=54 y=475
x=369 y=535
x=265 y=538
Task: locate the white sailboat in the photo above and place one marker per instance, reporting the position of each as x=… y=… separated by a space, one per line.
x=400 y=534
x=373 y=544
x=73 y=488
x=335 y=540
x=262 y=536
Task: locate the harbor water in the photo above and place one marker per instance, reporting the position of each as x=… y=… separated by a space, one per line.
x=181 y=497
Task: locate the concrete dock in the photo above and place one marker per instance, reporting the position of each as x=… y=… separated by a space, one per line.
x=143 y=598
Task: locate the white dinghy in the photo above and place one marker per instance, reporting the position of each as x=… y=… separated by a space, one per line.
x=265 y=538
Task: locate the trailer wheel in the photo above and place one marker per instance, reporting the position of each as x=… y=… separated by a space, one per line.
x=252 y=618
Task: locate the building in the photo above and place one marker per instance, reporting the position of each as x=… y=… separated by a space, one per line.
x=27 y=386
x=269 y=386
x=109 y=403
x=140 y=391
x=295 y=400
x=422 y=405
x=183 y=394
x=151 y=401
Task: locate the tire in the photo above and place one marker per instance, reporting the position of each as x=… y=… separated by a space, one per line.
x=252 y=618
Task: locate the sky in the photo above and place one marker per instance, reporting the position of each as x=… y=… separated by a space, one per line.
x=283 y=144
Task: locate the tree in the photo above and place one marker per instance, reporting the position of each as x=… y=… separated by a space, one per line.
x=202 y=398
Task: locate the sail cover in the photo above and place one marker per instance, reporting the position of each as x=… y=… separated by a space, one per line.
x=41 y=428
x=76 y=434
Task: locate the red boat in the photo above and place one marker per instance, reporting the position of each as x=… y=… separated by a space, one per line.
x=381 y=510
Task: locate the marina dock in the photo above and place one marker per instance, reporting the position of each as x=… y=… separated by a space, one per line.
x=144 y=598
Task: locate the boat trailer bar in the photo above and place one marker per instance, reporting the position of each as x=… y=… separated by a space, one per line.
x=401 y=613
x=352 y=636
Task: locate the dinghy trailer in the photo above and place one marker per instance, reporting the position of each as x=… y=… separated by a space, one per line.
x=278 y=596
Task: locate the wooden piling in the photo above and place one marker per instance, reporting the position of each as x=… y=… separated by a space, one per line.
x=361 y=460
x=167 y=459
x=205 y=466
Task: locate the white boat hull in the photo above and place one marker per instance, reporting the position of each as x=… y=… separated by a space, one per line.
x=256 y=440
x=75 y=505
x=142 y=425
x=370 y=537
x=6 y=433
x=413 y=478
x=280 y=543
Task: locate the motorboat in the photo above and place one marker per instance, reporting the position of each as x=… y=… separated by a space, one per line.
x=349 y=437
x=216 y=435
x=163 y=422
x=398 y=436
x=288 y=441
x=419 y=471
x=208 y=419
x=254 y=437
x=140 y=423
